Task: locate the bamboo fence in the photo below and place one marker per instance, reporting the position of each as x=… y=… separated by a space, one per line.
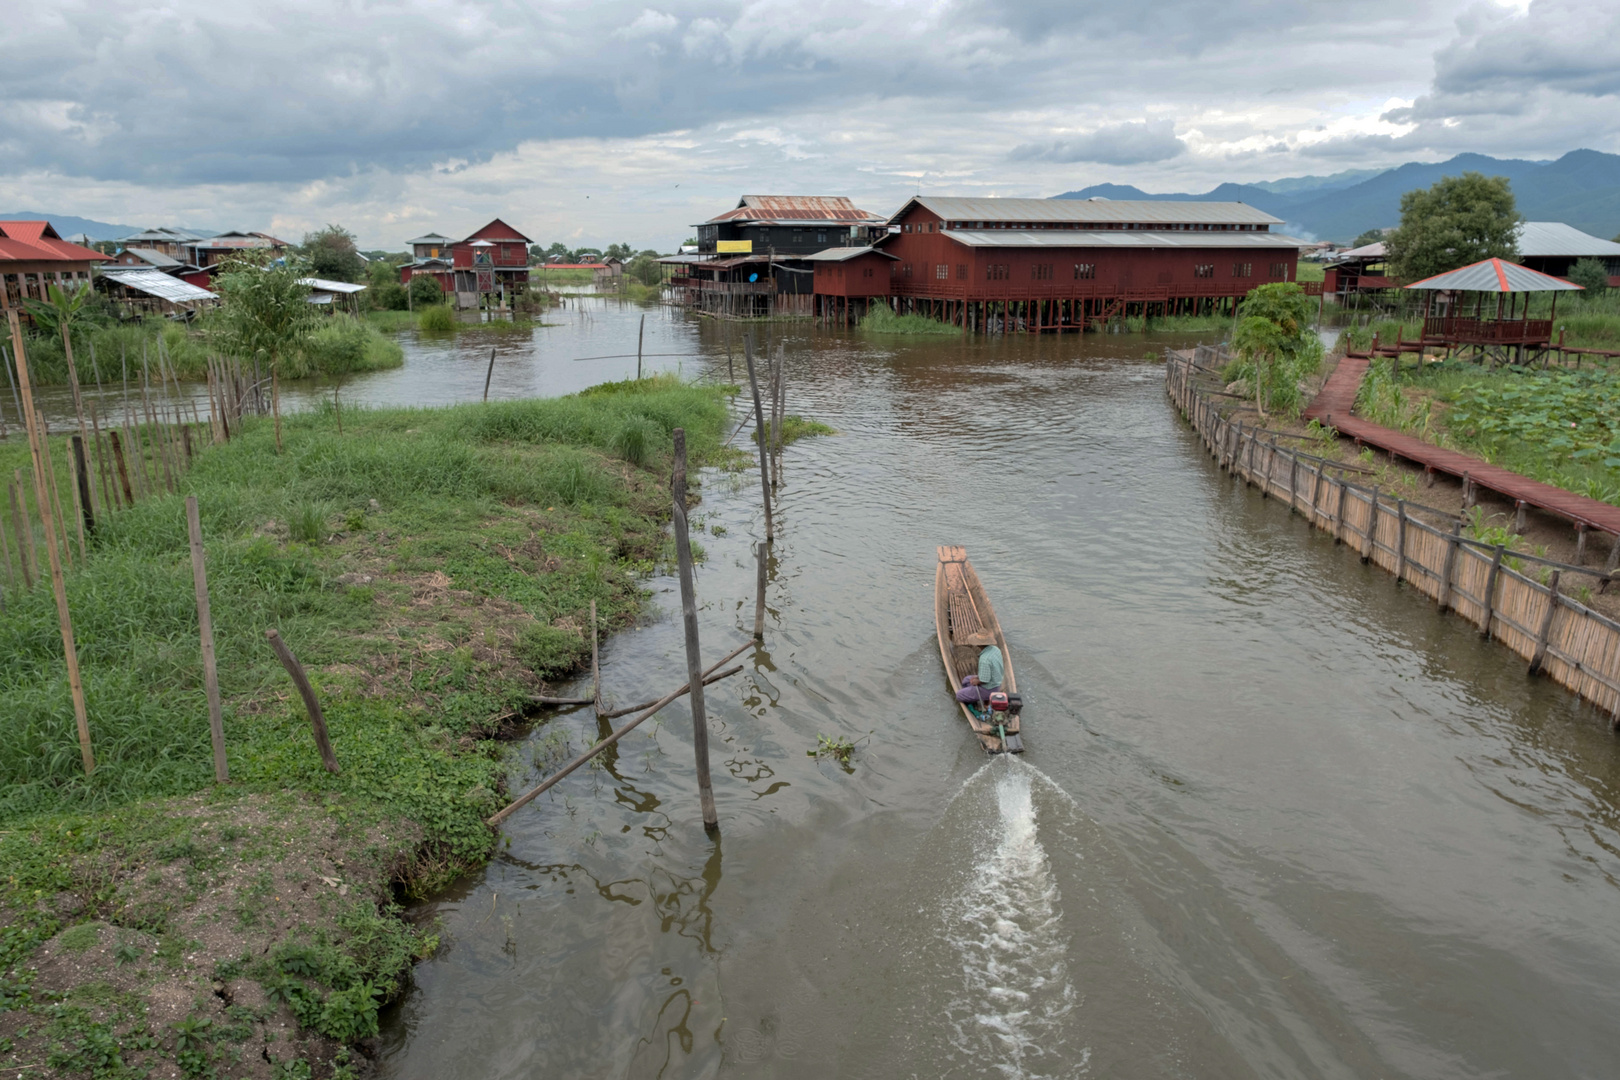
x=1575 y=646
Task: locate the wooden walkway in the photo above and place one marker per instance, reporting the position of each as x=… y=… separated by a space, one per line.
x=1338 y=397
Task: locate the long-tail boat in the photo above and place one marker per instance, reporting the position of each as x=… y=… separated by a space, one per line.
x=966 y=623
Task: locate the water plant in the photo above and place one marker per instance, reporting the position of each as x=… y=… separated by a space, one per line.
x=436 y=318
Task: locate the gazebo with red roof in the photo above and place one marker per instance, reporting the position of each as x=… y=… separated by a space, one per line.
x=33 y=257
x=1512 y=329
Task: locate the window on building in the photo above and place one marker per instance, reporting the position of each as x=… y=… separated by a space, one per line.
x=996 y=272
x=821 y=238
x=942 y=271
x=1243 y=270
x=1084 y=271
x=906 y=271
x=867 y=272
x=1204 y=270
x=961 y=271
x=1041 y=271
x=1279 y=271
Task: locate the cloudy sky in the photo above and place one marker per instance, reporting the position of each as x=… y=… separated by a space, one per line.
x=599 y=121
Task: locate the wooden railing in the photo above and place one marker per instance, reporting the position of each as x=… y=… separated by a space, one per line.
x=1465 y=331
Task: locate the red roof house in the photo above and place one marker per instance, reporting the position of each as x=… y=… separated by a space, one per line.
x=33 y=256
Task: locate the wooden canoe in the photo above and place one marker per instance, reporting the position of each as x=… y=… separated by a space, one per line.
x=966 y=622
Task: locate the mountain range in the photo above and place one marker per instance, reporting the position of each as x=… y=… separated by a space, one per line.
x=68 y=225
x=1582 y=189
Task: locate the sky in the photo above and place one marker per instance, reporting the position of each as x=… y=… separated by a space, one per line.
x=598 y=121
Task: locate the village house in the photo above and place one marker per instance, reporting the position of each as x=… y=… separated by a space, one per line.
x=166 y=241
x=209 y=253
x=490 y=265
x=752 y=258
x=1549 y=247
x=1066 y=264
x=33 y=257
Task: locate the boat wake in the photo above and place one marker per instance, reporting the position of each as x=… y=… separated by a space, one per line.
x=1007 y=931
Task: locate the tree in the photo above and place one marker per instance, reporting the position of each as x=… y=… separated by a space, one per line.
x=384 y=289
x=1460 y=220
x=266 y=314
x=1591 y=275
x=332 y=254
x=425 y=290
x=1371 y=236
x=1275 y=344
x=558 y=249
x=645 y=269
x=622 y=252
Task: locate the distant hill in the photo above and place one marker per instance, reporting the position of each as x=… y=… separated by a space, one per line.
x=68 y=225
x=1582 y=189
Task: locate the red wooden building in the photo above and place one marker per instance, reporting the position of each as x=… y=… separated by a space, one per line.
x=1065 y=264
x=848 y=278
x=492 y=263
x=33 y=257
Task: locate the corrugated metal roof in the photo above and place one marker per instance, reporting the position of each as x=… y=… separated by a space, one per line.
x=1498 y=276
x=1064 y=238
x=1365 y=251
x=322 y=285
x=157 y=283
x=1088 y=211
x=153 y=256
x=432 y=238
x=796 y=210
x=844 y=254
x=1554 y=238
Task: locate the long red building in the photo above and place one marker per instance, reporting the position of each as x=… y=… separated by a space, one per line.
x=1063 y=264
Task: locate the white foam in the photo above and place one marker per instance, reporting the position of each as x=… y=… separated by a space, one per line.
x=1007 y=930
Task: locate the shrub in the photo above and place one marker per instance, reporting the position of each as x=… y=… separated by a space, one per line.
x=636 y=439
x=389 y=296
x=425 y=291
x=437 y=317
x=1591 y=275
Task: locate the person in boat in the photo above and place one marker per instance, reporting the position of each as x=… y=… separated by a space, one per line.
x=977 y=688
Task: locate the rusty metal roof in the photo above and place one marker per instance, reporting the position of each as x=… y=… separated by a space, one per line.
x=1153 y=213
x=796 y=210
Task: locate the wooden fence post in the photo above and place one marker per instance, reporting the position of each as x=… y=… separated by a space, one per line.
x=1338 y=522
x=25 y=535
x=1490 y=591
x=490 y=374
x=317 y=720
x=641 y=335
x=205 y=630
x=759 y=436
x=123 y=470
x=82 y=469
x=1449 y=566
x=1540 y=656
x=1400 y=539
x=694 y=658
x=1371 y=545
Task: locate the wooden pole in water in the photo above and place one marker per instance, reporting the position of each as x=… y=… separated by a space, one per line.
x=489 y=374
x=759 y=597
x=58 y=586
x=694 y=657
x=641 y=335
x=596 y=665
x=317 y=720
x=759 y=437
x=205 y=630
x=1540 y=656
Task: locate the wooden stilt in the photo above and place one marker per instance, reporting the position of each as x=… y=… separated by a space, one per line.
x=694 y=658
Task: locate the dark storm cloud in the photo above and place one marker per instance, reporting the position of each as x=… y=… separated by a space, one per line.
x=1131 y=143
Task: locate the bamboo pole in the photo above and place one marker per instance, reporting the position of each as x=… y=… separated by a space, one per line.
x=54 y=489
x=759 y=596
x=641 y=335
x=109 y=490
x=26 y=555
x=490 y=372
x=711 y=676
x=694 y=657
x=205 y=631
x=596 y=665
x=759 y=437
x=275 y=407
x=58 y=586
x=123 y=470
x=312 y=705
x=5 y=549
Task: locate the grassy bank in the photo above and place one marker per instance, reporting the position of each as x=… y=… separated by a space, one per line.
x=442 y=319
x=881 y=319
x=561 y=277
x=431 y=568
x=339 y=343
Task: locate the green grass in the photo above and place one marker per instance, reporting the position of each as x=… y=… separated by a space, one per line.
x=436 y=319
x=455 y=490
x=547 y=277
x=341 y=344
x=881 y=319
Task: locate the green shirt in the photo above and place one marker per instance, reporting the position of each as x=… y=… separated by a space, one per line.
x=990 y=667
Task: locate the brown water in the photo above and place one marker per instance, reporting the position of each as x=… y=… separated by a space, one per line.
x=1278 y=816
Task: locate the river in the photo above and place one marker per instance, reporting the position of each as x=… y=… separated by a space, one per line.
x=1278 y=816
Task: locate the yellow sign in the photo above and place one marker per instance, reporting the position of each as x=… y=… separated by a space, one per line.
x=734 y=247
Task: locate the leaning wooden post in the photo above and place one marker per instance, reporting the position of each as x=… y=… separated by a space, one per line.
x=490 y=373
x=317 y=719
x=596 y=665
x=759 y=596
x=1540 y=656
x=123 y=471
x=205 y=629
x=694 y=659
x=759 y=436
x=58 y=586
x=1372 y=528
x=1448 y=567
x=641 y=335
